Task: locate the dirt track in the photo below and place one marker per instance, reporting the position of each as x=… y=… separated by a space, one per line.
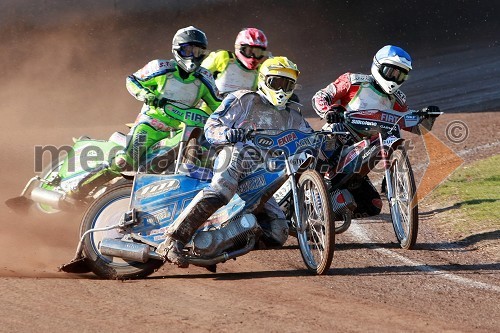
x=444 y=285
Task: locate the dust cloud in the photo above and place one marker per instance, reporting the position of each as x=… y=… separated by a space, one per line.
x=64 y=65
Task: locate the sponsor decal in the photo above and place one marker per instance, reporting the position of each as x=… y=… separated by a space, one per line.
x=389 y=118
x=390 y=140
x=252 y=184
x=164 y=214
x=353 y=153
x=171 y=109
x=309 y=141
x=264 y=142
x=411 y=117
x=287 y=139
x=157 y=187
x=369 y=152
x=363 y=122
x=386 y=127
x=195 y=117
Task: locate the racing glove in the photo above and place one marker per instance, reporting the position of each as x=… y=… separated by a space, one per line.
x=335 y=114
x=234 y=135
x=152 y=100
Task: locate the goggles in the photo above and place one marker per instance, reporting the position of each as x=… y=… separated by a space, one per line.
x=252 y=51
x=191 y=51
x=276 y=83
x=393 y=73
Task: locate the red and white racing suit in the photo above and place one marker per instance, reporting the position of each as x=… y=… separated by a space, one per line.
x=356 y=91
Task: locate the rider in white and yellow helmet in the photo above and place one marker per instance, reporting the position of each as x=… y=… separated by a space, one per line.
x=277 y=79
x=240 y=111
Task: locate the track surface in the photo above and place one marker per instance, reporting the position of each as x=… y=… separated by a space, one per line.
x=76 y=88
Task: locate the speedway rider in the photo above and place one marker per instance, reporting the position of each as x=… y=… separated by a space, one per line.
x=239 y=70
x=159 y=82
x=354 y=91
x=240 y=111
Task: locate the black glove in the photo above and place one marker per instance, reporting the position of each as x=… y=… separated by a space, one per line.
x=234 y=135
x=152 y=100
x=430 y=109
x=335 y=114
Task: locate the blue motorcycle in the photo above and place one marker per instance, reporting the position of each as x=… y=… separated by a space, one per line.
x=120 y=231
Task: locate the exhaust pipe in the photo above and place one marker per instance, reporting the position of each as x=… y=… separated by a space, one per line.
x=47 y=197
x=127 y=250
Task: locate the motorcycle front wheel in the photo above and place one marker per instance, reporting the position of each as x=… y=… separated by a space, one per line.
x=316 y=231
x=107 y=210
x=404 y=203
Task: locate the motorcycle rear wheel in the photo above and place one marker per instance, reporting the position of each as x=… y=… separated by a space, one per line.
x=404 y=205
x=107 y=210
x=317 y=238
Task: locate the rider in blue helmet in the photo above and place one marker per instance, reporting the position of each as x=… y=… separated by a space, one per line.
x=355 y=91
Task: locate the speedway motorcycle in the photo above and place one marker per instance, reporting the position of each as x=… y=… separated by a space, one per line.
x=376 y=138
x=47 y=192
x=121 y=232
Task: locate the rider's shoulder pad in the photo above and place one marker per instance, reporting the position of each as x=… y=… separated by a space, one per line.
x=166 y=64
x=205 y=74
x=242 y=92
x=358 y=78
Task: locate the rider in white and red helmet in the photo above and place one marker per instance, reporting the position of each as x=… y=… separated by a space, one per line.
x=250 y=47
x=238 y=70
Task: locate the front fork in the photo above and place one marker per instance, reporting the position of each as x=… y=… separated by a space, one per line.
x=387 y=172
x=295 y=196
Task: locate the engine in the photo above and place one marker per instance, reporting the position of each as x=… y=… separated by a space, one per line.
x=235 y=233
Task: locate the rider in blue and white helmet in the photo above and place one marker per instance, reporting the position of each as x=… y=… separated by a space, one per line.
x=390 y=68
x=357 y=91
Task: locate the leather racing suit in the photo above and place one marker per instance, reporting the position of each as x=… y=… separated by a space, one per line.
x=163 y=79
x=229 y=73
x=359 y=92
x=241 y=109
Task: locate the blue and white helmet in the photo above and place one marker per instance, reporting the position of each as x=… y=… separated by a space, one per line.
x=390 y=68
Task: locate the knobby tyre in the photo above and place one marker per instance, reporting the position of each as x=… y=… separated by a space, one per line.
x=404 y=208
x=317 y=239
x=107 y=210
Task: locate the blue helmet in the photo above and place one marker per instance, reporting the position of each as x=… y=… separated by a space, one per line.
x=390 y=67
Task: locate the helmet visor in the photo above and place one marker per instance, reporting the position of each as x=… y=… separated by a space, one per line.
x=393 y=73
x=191 y=51
x=276 y=83
x=252 y=51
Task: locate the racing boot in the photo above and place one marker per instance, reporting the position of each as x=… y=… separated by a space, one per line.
x=171 y=250
x=184 y=227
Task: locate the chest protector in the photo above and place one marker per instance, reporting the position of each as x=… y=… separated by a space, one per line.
x=367 y=97
x=265 y=116
x=185 y=93
x=235 y=78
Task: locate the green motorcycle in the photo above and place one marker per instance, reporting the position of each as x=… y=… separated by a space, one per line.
x=48 y=191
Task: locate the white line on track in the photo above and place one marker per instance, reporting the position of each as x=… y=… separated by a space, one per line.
x=359 y=232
